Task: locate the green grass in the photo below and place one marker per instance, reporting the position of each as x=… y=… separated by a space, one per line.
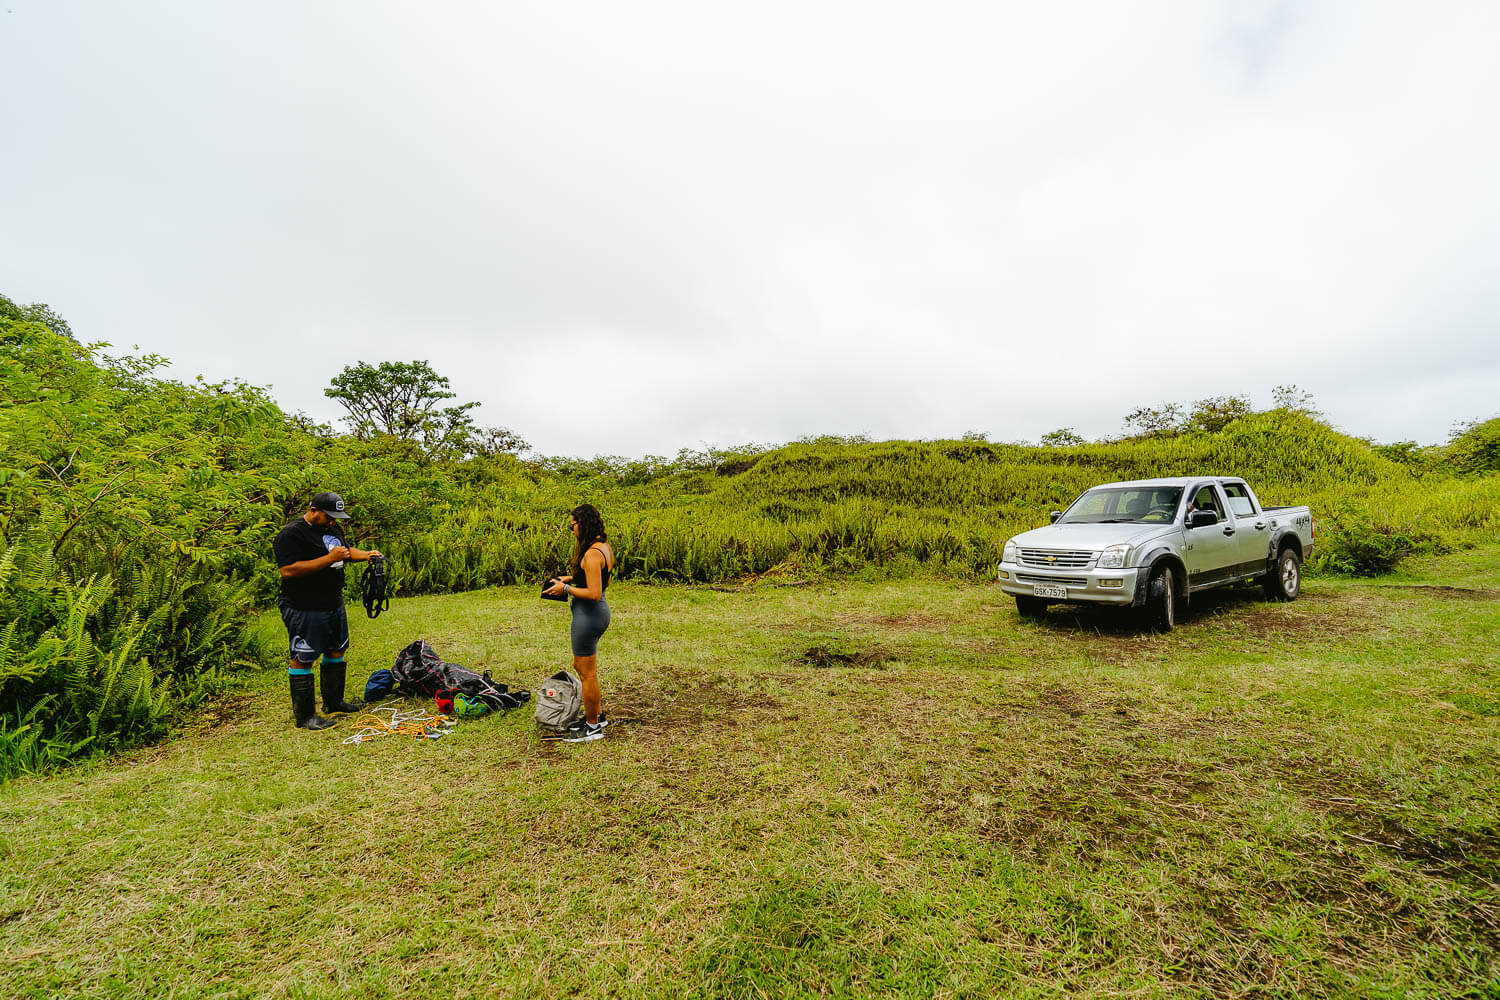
x=1274 y=800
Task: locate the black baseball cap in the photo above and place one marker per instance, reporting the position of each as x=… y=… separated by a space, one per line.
x=329 y=503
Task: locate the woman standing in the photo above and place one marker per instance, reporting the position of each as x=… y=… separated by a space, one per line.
x=592 y=561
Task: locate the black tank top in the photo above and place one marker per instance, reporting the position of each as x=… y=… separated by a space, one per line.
x=604 y=583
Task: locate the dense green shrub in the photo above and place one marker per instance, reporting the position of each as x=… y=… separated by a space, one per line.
x=1354 y=542
x=87 y=666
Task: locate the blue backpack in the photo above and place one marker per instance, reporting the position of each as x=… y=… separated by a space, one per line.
x=380 y=684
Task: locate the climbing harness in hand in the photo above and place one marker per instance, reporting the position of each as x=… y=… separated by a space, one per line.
x=372 y=587
x=390 y=720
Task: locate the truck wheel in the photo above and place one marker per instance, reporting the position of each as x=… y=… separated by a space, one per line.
x=1284 y=583
x=1161 y=600
x=1031 y=607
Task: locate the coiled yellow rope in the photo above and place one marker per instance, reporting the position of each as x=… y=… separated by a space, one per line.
x=416 y=723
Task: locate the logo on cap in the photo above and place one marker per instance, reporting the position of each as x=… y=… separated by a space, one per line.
x=331 y=504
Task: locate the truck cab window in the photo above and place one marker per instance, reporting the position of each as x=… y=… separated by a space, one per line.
x=1207 y=499
x=1239 y=500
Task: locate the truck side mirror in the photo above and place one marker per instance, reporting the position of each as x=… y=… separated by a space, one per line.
x=1202 y=519
x=1055 y=515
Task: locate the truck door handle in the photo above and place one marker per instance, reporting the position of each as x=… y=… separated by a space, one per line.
x=1260 y=526
x=1228 y=529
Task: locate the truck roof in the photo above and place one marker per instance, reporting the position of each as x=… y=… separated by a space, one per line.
x=1183 y=481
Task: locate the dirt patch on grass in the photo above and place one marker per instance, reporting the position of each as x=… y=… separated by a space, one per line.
x=916 y=621
x=1322 y=619
x=1114 y=805
x=712 y=701
x=1453 y=593
x=222 y=712
x=1103 y=785
x=1112 y=811
x=1063 y=700
x=824 y=657
x=1456 y=854
x=1121 y=635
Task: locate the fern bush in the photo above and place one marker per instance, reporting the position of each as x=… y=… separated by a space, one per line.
x=92 y=665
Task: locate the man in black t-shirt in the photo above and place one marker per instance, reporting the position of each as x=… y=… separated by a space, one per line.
x=311 y=552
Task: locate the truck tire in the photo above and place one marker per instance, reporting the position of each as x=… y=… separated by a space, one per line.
x=1031 y=607
x=1161 y=600
x=1284 y=582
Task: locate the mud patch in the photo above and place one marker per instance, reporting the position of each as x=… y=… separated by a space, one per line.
x=1331 y=620
x=1063 y=700
x=693 y=704
x=825 y=657
x=1452 y=593
x=1102 y=810
x=1460 y=855
x=916 y=621
x=1119 y=808
x=220 y=713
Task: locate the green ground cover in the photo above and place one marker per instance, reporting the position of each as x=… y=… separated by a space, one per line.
x=840 y=789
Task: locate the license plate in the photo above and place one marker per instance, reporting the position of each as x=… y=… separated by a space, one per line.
x=1048 y=590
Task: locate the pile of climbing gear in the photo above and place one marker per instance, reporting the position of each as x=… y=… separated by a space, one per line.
x=458 y=692
x=372 y=586
x=391 y=719
x=419 y=670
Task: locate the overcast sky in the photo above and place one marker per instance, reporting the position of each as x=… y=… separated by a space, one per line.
x=632 y=227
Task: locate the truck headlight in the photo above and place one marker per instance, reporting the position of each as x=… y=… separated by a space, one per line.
x=1011 y=553
x=1113 y=557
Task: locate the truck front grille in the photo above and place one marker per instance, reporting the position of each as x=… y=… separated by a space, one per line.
x=1066 y=581
x=1057 y=558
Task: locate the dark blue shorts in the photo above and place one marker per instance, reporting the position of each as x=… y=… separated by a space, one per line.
x=590 y=619
x=312 y=633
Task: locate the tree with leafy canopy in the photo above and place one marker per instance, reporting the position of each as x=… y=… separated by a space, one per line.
x=37 y=312
x=1155 y=421
x=401 y=399
x=1063 y=437
x=1293 y=399
x=1217 y=412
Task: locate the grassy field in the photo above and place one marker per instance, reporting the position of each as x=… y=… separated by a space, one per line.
x=847 y=789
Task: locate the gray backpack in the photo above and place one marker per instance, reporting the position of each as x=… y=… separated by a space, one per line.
x=559 y=701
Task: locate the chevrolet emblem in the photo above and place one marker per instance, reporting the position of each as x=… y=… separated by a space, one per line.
x=1052 y=558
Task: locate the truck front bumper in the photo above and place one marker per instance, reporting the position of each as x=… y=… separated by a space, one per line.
x=1084 y=586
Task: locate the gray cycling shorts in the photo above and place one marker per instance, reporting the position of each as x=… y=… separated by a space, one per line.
x=590 y=620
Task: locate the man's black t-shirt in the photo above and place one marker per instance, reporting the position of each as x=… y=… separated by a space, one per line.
x=320 y=591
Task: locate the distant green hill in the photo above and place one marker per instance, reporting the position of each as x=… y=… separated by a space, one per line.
x=896 y=506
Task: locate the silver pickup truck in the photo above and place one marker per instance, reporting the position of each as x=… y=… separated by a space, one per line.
x=1150 y=543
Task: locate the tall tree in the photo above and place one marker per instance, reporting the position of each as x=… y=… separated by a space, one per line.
x=403 y=399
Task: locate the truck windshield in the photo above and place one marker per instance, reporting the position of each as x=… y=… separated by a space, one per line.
x=1122 y=504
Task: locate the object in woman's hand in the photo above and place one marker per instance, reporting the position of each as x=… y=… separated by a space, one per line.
x=552 y=597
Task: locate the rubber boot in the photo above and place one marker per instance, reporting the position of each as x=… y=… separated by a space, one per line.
x=332 y=676
x=302 y=703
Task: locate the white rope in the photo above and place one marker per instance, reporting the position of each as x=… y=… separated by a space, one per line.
x=412 y=722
